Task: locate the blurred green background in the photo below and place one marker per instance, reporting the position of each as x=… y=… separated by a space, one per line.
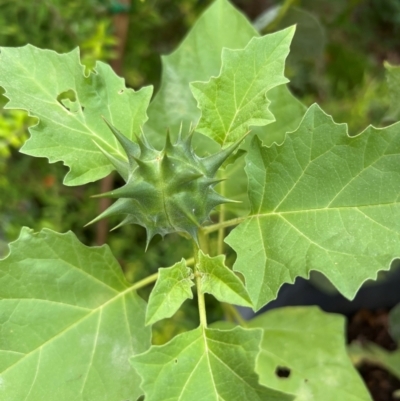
x=336 y=60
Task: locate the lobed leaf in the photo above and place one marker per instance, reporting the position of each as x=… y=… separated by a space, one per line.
x=172 y=288
x=204 y=365
x=218 y=280
x=68 y=322
x=322 y=201
x=236 y=99
x=198 y=57
x=303 y=352
x=69 y=106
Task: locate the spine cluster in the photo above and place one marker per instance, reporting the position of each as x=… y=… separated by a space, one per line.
x=165 y=191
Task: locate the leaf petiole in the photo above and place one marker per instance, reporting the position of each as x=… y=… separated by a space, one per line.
x=221 y=230
x=228 y=223
x=200 y=294
x=146 y=281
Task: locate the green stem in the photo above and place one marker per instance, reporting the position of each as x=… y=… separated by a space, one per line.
x=189 y=261
x=203 y=243
x=202 y=303
x=236 y=315
x=200 y=294
x=221 y=230
x=229 y=223
x=227 y=313
x=146 y=281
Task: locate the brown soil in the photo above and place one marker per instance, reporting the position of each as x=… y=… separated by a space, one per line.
x=365 y=326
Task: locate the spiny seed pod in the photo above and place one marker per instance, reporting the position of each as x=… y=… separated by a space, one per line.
x=166 y=191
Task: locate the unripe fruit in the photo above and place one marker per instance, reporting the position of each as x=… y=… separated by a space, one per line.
x=166 y=191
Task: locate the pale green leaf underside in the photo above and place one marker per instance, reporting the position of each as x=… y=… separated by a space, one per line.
x=37 y=81
x=311 y=344
x=322 y=201
x=236 y=99
x=172 y=288
x=221 y=282
x=68 y=322
x=204 y=365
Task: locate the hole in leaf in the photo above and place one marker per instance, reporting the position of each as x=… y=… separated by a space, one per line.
x=282 y=372
x=120 y=92
x=176 y=361
x=69 y=101
x=69 y=94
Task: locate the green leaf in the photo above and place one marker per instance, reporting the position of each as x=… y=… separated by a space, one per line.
x=309 y=345
x=172 y=288
x=322 y=201
x=220 y=281
x=197 y=58
x=371 y=353
x=68 y=322
x=204 y=365
x=69 y=106
x=236 y=99
x=283 y=104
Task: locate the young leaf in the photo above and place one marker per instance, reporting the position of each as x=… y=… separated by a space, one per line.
x=283 y=104
x=68 y=322
x=322 y=201
x=197 y=58
x=204 y=365
x=236 y=99
x=220 y=281
x=303 y=352
x=69 y=106
x=172 y=288
x=372 y=353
